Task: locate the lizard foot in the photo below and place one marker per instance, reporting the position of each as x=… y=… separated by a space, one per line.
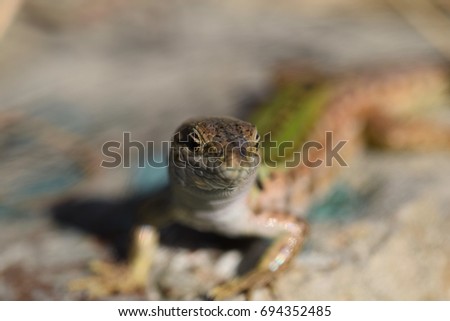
x=112 y=278
x=276 y=258
x=245 y=284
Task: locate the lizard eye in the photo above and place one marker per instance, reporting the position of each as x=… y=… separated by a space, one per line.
x=257 y=139
x=188 y=137
x=193 y=141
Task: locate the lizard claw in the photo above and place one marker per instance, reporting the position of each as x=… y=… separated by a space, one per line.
x=110 y=278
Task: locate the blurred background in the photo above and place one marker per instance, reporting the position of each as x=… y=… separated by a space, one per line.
x=77 y=73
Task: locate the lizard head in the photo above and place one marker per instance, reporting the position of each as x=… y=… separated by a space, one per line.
x=215 y=153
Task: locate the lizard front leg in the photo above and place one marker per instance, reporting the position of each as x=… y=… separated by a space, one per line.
x=132 y=276
x=290 y=233
x=111 y=277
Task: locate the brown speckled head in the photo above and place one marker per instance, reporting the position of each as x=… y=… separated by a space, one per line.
x=215 y=153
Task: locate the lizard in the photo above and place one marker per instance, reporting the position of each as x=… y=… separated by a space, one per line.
x=217 y=182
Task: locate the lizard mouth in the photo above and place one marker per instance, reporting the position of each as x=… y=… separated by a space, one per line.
x=213 y=174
